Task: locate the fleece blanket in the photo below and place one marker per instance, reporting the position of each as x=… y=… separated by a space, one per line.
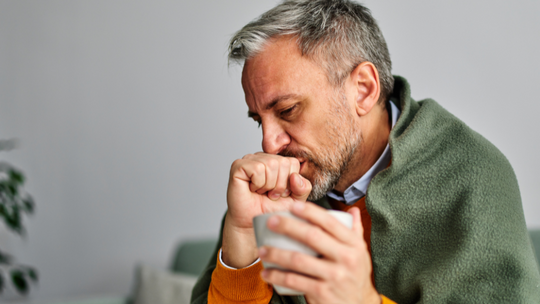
x=447 y=219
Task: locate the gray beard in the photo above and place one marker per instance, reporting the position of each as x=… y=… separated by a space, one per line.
x=327 y=175
x=332 y=160
x=330 y=165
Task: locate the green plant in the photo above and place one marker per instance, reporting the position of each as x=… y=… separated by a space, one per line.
x=14 y=203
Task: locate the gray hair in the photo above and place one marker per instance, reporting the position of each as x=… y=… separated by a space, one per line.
x=337 y=34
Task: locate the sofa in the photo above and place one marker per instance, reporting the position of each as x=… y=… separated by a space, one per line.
x=156 y=286
x=152 y=286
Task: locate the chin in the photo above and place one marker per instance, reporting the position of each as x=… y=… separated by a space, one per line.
x=321 y=183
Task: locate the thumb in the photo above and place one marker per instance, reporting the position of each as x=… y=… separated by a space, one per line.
x=357 y=220
x=300 y=187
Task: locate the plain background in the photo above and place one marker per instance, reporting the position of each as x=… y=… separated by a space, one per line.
x=129 y=118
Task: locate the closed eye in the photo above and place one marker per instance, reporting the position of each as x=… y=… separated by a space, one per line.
x=287 y=111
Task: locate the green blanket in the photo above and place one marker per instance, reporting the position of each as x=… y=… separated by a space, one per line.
x=447 y=220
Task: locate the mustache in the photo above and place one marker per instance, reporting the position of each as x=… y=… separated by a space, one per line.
x=293 y=153
x=298 y=154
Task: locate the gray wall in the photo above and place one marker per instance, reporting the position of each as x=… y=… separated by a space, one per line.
x=129 y=117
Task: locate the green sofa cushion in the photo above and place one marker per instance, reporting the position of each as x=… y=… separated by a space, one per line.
x=192 y=256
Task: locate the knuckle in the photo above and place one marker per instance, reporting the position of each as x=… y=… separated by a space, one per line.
x=331 y=223
x=313 y=235
x=296 y=259
x=285 y=162
x=272 y=163
x=349 y=260
x=235 y=164
x=260 y=167
x=289 y=279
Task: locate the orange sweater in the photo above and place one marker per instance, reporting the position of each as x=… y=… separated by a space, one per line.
x=246 y=285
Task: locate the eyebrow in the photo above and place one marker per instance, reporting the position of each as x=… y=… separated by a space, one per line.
x=274 y=102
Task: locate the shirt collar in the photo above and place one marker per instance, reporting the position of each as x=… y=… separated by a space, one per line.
x=359 y=188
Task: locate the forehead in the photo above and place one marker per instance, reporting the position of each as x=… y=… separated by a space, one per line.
x=278 y=70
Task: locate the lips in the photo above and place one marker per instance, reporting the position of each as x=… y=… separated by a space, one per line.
x=302 y=165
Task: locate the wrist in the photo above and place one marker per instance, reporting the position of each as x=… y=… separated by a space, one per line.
x=239 y=248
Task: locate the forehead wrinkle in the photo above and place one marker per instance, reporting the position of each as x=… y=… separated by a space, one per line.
x=273 y=75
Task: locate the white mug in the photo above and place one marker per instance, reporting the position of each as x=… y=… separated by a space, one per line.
x=266 y=237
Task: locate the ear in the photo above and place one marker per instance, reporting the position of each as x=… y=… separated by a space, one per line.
x=365 y=81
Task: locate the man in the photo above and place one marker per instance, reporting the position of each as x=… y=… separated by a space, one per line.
x=437 y=215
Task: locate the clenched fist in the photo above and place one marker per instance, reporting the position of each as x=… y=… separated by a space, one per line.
x=258 y=183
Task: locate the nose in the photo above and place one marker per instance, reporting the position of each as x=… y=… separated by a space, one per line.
x=275 y=139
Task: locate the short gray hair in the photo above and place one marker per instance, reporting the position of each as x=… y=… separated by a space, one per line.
x=338 y=34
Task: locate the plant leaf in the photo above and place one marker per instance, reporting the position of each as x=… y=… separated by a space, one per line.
x=32 y=274
x=16 y=176
x=28 y=204
x=14 y=220
x=18 y=279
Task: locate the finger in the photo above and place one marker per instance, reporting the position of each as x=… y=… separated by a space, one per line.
x=296 y=261
x=250 y=171
x=290 y=280
x=271 y=166
x=282 y=181
x=300 y=187
x=277 y=174
x=357 y=221
x=310 y=235
x=295 y=165
x=320 y=217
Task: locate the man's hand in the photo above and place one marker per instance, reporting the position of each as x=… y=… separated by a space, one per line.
x=343 y=272
x=258 y=183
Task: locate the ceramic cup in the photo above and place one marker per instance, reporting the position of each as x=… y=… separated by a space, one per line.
x=266 y=237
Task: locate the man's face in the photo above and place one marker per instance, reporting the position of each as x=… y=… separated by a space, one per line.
x=301 y=114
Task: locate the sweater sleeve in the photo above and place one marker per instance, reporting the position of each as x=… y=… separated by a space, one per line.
x=244 y=285
x=386 y=300
x=239 y=285
x=218 y=284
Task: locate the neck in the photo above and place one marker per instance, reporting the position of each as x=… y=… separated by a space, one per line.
x=375 y=128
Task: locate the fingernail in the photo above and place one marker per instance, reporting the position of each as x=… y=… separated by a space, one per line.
x=299 y=206
x=274 y=196
x=273 y=221
x=286 y=193
x=301 y=180
x=262 y=252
